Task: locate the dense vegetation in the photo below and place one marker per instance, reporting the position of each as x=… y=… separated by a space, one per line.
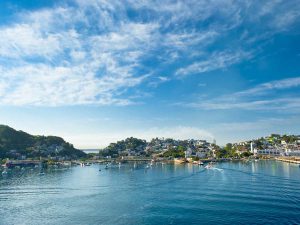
x=14 y=144
x=124 y=147
x=175 y=152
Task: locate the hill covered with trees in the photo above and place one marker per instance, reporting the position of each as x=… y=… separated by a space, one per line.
x=129 y=146
x=16 y=144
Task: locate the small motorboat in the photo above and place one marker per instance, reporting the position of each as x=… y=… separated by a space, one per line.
x=200 y=163
x=209 y=166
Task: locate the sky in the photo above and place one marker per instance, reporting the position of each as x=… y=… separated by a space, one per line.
x=98 y=71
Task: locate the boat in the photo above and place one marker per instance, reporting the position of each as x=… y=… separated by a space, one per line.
x=179 y=161
x=209 y=166
x=4 y=172
x=200 y=163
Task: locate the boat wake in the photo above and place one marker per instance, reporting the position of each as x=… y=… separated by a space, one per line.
x=218 y=169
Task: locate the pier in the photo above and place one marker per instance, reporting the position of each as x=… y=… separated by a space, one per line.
x=23 y=163
x=295 y=160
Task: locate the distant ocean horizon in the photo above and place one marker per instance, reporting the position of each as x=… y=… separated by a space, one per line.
x=90 y=150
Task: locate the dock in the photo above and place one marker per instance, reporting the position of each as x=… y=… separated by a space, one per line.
x=295 y=160
x=22 y=163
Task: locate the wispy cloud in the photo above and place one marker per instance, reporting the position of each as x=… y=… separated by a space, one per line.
x=50 y=65
x=217 y=60
x=269 y=104
x=248 y=99
x=269 y=86
x=95 y=51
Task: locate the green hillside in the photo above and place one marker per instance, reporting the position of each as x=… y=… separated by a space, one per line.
x=14 y=144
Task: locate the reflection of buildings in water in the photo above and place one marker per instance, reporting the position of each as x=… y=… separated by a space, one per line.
x=286 y=169
x=254 y=167
x=190 y=167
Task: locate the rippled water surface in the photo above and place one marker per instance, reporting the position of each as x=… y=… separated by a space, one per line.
x=262 y=192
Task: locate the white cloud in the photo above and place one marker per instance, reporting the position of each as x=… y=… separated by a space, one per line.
x=248 y=99
x=25 y=41
x=93 y=52
x=266 y=104
x=50 y=65
x=269 y=86
x=217 y=60
x=158 y=80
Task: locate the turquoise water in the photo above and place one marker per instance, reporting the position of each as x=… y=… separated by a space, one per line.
x=263 y=192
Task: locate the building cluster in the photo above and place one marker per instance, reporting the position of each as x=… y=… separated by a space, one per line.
x=192 y=148
x=157 y=147
x=51 y=151
x=273 y=145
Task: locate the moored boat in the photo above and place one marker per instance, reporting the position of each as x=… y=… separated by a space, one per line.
x=180 y=160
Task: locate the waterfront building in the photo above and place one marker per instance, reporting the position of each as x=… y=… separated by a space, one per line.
x=270 y=152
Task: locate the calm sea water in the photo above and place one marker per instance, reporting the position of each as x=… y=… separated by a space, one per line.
x=264 y=192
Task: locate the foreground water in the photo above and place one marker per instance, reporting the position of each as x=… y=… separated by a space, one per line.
x=260 y=192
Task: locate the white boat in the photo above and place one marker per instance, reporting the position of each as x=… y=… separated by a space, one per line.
x=209 y=166
x=200 y=163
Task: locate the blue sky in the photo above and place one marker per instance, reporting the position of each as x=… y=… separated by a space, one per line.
x=96 y=71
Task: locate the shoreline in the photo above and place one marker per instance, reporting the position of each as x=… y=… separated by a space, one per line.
x=67 y=163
